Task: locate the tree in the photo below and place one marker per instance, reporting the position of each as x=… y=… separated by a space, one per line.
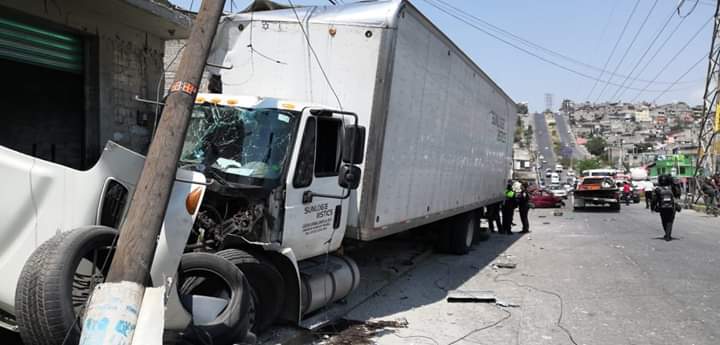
x=528 y=135
x=587 y=164
x=596 y=146
x=518 y=132
x=522 y=108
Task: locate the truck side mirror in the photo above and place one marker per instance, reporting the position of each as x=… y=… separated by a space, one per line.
x=354 y=145
x=349 y=176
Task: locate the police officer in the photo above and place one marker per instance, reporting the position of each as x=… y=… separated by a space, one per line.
x=492 y=212
x=665 y=202
x=523 y=201
x=508 y=208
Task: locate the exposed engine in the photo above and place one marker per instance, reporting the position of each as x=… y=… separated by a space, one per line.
x=239 y=219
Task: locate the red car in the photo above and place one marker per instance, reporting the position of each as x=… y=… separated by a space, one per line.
x=542 y=198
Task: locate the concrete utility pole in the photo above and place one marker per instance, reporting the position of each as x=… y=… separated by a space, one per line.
x=131 y=264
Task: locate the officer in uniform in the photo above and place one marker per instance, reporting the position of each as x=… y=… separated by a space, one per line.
x=492 y=212
x=508 y=208
x=665 y=202
x=523 y=201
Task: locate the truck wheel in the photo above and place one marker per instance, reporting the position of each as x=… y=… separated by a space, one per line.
x=265 y=280
x=615 y=207
x=206 y=274
x=481 y=234
x=461 y=233
x=57 y=280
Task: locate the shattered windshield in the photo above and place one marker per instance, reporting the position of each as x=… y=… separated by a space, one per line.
x=239 y=141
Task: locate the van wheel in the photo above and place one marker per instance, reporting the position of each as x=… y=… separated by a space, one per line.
x=57 y=281
x=266 y=282
x=461 y=233
x=209 y=275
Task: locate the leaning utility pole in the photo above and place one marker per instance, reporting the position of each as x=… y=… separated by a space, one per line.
x=130 y=266
x=706 y=162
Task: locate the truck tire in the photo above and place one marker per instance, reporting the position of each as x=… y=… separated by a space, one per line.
x=211 y=275
x=52 y=288
x=461 y=233
x=615 y=207
x=265 y=280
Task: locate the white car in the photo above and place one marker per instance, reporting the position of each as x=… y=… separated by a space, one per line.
x=558 y=167
x=571 y=172
x=558 y=191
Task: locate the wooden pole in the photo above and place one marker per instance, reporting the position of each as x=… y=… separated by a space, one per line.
x=138 y=235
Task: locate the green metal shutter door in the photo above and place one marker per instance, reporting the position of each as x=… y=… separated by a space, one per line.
x=39 y=46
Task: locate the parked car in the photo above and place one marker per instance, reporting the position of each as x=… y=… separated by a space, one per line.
x=542 y=198
x=558 y=167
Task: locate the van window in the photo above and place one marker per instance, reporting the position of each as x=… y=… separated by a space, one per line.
x=327 y=154
x=306 y=157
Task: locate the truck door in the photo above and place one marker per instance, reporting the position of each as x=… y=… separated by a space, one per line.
x=318 y=226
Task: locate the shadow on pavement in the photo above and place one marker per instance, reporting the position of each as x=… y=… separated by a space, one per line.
x=430 y=281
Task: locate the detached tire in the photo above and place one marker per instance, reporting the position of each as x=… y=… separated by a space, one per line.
x=211 y=275
x=44 y=303
x=265 y=280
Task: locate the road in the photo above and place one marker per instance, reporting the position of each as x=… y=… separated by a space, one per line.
x=543 y=142
x=598 y=277
x=566 y=139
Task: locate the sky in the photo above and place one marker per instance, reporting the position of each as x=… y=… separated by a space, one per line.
x=579 y=37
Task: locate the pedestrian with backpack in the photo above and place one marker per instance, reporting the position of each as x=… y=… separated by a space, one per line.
x=665 y=202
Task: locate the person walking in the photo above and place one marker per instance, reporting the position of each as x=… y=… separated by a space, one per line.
x=648 y=191
x=508 y=209
x=664 y=202
x=523 y=201
x=627 y=193
x=492 y=212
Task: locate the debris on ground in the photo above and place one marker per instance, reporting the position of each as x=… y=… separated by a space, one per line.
x=546 y=223
x=510 y=265
x=506 y=304
x=470 y=296
x=349 y=332
x=557 y=213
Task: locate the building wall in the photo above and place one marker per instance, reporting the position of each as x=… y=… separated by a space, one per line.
x=173 y=54
x=129 y=63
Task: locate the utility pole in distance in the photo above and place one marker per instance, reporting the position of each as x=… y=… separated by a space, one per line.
x=131 y=264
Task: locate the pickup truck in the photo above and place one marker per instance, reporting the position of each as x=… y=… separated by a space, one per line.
x=597 y=191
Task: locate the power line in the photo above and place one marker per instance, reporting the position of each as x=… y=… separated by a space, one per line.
x=652 y=43
x=681 y=76
x=657 y=52
x=307 y=40
x=499 y=30
x=637 y=33
x=622 y=33
x=695 y=35
x=542 y=58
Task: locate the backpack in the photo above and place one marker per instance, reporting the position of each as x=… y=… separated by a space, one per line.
x=665 y=198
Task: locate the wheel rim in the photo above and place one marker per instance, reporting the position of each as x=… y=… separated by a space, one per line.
x=470 y=233
x=90 y=272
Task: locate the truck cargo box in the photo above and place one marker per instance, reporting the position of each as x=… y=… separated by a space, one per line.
x=440 y=130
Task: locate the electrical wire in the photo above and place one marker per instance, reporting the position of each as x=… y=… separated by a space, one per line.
x=680 y=51
x=657 y=52
x=681 y=76
x=558 y=323
x=647 y=50
x=542 y=58
x=494 y=324
x=317 y=60
x=612 y=52
x=501 y=31
x=690 y=11
x=632 y=42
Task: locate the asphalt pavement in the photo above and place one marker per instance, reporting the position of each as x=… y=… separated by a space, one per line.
x=566 y=138
x=594 y=277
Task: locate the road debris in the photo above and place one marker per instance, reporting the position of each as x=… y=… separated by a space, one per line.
x=557 y=213
x=349 y=332
x=470 y=296
x=506 y=304
x=509 y=265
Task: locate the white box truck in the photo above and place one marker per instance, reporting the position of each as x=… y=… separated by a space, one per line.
x=269 y=182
